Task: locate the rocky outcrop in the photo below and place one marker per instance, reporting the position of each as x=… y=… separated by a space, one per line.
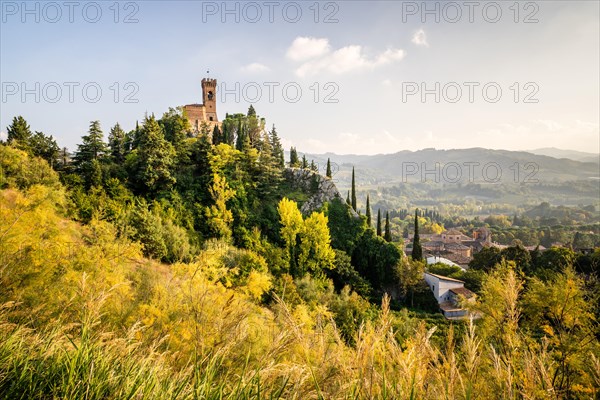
x=319 y=188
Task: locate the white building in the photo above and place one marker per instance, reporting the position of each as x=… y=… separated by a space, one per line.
x=447 y=292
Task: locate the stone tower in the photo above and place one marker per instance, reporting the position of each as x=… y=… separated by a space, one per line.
x=209 y=98
x=205 y=113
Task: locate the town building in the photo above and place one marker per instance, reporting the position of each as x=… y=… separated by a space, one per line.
x=453 y=245
x=449 y=292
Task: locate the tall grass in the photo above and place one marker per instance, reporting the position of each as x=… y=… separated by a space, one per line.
x=83 y=361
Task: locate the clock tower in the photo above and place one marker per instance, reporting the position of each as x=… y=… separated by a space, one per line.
x=209 y=98
x=204 y=114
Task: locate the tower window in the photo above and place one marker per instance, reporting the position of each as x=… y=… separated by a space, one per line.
x=211 y=118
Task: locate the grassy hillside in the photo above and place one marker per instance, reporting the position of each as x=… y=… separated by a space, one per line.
x=99 y=321
x=194 y=276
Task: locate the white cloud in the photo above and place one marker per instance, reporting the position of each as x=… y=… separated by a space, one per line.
x=388 y=56
x=318 y=57
x=420 y=38
x=549 y=124
x=305 y=48
x=255 y=68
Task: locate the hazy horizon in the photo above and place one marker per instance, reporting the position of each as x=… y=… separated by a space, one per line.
x=584 y=153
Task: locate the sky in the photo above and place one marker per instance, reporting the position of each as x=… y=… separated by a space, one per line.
x=348 y=77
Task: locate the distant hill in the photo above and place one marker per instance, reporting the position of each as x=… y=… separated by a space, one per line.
x=477 y=165
x=570 y=154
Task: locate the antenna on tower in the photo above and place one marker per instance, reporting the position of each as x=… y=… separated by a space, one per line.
x=208 y=73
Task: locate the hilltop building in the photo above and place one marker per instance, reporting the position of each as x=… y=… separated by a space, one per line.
x=205 y=113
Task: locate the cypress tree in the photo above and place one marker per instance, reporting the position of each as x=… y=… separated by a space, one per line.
x=348 y=199
x=388 y=230
x=304 y=162
x=379 y=222
x=417 y=252
x=216 y=135
x=241 y=136
x=368 y=212
x=328 y=173
x=353 y=199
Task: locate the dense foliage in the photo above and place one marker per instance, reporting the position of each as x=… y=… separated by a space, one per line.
x=160 y=264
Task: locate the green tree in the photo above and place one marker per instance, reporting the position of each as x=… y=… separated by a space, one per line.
x=291 y=221
x=345 y=228
x=277 y=148
x=116 y=144
x=292 y=226
x=410 y=275
x=562 y=310
x=379 y=232
x=498 y=303
x=316 y=254
x=155 y=159
x=44 y=147
x=255 y=127
x=388 y=230
x=554 y=259
x=328 y=172
x=175 y=126
x=241 y=134
x=417 y=250
x=89 y=155
x=294 y=161
x=519 y=255
x=304 y=162
x=376 y=260
x=216 y=136
x=486 y=259
x=368 y=211
x=218 y=215
x=269 y=168
x=19 y=133
x=353 y=198
x=92 y=146
x=348 y=199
